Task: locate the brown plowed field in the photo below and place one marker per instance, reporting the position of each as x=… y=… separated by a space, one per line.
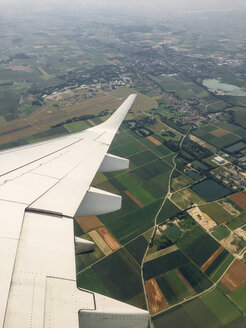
x=235 y=277
x=240 y=199
x=108 y=238
x=212 y=258
x=156 y=299
x=136 y=201
x=219 y=133
x=89 y=223
x=154 y=140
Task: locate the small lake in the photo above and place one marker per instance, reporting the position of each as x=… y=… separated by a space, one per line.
x=228 y=89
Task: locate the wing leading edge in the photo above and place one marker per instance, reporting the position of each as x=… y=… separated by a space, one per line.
x=42 y=187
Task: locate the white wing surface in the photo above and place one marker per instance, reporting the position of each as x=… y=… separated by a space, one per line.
x=42 y=187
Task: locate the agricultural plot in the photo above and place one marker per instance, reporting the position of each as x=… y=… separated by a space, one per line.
x=164 y=264
x=234 y=128
x=126 y=227
x=239 y=298
x=198 y=245
x=88 y=279
x=236 y=147
x=142 y=158
x=156 y=299
x=77 y=126
x=192 y=314
x=172 y=232
x=210 y=190
x=197 y=279
x=220 y=266
x=137 y=248
x=216 y=212
x=193 y=175
x=128 y=149
x=237 y=222
x=120 y=274
x=186 y=198
x=169 y=210
x=221 y=232
x=240 y=199
x=235 y=277
x=222 y=308
x=89 y=223
x=214 y=136
x=85 y=260
x=180 y=182
x=182 y=288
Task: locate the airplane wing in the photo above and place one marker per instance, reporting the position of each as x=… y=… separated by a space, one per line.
x=42 y=188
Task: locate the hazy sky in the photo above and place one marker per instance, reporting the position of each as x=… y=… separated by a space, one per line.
x=155 y=5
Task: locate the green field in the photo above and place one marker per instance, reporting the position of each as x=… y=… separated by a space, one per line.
x=120 y=274
x=210 y=190
x=239 y=298
x=220 y=142
x=181 y=289
x=163 y=264
x=180 y=182
x=216 y=275
x=221 y=232
x=224 y=310
x=137 y=248
x=186 y=197
x=167 y=290
x=198 y=245
x=216 y=212
x=169 y=210
x=195 y=277
x=237 y=222
x=194 y=175
x=77 y=126
x=88 y=279
x=216 y=264
x=85 y=260
x=172 y=232
x=127 y=227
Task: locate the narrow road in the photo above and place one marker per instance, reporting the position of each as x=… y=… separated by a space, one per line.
x=157 y=214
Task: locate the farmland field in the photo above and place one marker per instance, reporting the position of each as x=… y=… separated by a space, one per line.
x=120 y=274
x=195 y=277
x=221 y=268
x=237 y=221
x=88 y=279
x=198 y=245
x=221 y=232
x=137 y=248
x=239 y=297
x=210 y=190
x=216 y=212
x=180 y=182
x=224 y=310
x=186 y=197
x=193 y=174
x=240 y=199
x=206 y=134
x=129 y=226
x=169 y=210
x=163 y=264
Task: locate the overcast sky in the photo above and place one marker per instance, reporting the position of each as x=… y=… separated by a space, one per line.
x=184 y=5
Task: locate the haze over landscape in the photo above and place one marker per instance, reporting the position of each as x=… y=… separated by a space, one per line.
x=177 y=246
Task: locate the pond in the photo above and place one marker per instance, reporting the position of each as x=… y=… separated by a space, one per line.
x=227 y=89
